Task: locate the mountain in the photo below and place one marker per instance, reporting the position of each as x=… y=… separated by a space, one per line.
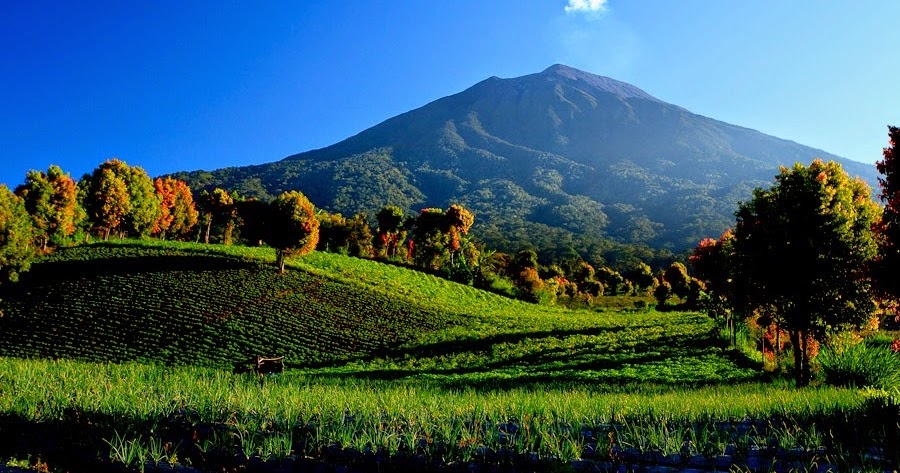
x=562 y=158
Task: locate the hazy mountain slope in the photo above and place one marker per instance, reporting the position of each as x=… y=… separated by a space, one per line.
x=562 y=153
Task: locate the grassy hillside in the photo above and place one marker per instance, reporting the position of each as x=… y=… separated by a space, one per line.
x=179 y=303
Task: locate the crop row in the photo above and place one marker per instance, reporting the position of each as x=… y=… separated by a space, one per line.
x=140 y=305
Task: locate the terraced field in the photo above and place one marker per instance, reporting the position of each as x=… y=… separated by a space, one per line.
x=125 y=302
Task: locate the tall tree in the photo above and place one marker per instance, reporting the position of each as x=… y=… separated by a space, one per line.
x=359 y=236
x=177 y=213
x=218 y=206
x=801 y=251
x=887 y=268
x=16 y=252
x=390 y=229
x=51 y=200
x=106 y=200
x=294 y=226
x=145 y=202
x=121 y=198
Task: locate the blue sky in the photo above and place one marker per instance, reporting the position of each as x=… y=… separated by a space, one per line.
x=183 y=85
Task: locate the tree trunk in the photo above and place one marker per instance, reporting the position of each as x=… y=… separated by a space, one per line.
x=807 y=368
x=106 y=234
x=208 y=228
x=229 y=231
x=801 y=370
x=777 y=345
x=280 y=259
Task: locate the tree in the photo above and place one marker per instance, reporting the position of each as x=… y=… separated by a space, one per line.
x=359 y=236
x=887 y=267
x=677 y=276
x=253 y=217
x=801 y=250
x=121 y=198
x=294 y=226
x=15 y=236
x=51 y=200
x=145 y=202
x=641 y=276
x=106 y=200
x=177 y=214
x=712 y=261
x=390 y=229
x=218 y=206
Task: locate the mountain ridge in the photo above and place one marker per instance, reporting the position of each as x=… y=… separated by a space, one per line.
x=564 y=156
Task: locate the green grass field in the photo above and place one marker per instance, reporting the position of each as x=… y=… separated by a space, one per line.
x=121 y=353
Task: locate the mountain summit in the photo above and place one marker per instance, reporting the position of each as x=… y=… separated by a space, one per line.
x=563 y=158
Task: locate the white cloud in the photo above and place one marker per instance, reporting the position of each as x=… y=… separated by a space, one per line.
x=575 y=6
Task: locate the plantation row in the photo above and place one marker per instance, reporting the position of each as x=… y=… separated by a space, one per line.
x=181 y=307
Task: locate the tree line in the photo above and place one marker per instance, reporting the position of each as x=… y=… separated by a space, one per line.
x=51 y=209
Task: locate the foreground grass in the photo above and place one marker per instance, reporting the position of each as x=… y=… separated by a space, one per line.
x=203 y=410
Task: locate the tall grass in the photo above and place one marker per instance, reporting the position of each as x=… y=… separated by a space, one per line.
x=860 y=365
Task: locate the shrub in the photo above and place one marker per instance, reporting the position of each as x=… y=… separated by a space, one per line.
x=861 y=365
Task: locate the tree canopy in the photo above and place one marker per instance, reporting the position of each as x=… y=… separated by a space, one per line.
x=294 y=228
x=16 y=252
x=801 y=252
x=887 y=268
x=51 y=200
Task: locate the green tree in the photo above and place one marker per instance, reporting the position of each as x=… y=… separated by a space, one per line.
x=333 y=232
x=887 y=267
x=801 y=251
x=677 y=276
x=641 y=276
x=16 y=236
x=145 y=202
x=610 y=278
x=218 y=207
x=294 y=228
x=51 y=200
x=359 y=236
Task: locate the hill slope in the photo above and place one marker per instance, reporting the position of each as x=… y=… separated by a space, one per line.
x=213 y=306
x=559 y=155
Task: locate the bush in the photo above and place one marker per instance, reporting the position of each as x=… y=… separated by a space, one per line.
x=861 y=365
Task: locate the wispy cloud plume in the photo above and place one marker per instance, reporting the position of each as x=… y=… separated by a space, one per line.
x=576 y=6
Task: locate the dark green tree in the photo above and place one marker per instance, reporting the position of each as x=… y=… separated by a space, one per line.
x=887 y=266
x=801 y=251
x=391 y=232
x=16 y=235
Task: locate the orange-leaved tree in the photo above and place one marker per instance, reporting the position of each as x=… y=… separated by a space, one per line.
x=177 y=213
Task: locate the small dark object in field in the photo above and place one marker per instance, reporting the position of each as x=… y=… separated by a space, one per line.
x=260 y=365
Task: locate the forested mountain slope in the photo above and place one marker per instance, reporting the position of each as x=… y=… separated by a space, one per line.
x=559 y=159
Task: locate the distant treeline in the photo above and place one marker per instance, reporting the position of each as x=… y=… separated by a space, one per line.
x=51 y=209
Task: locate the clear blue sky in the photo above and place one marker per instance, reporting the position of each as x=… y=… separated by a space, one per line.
x=183 y=85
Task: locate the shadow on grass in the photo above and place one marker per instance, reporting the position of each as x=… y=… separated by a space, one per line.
x=485 y=367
